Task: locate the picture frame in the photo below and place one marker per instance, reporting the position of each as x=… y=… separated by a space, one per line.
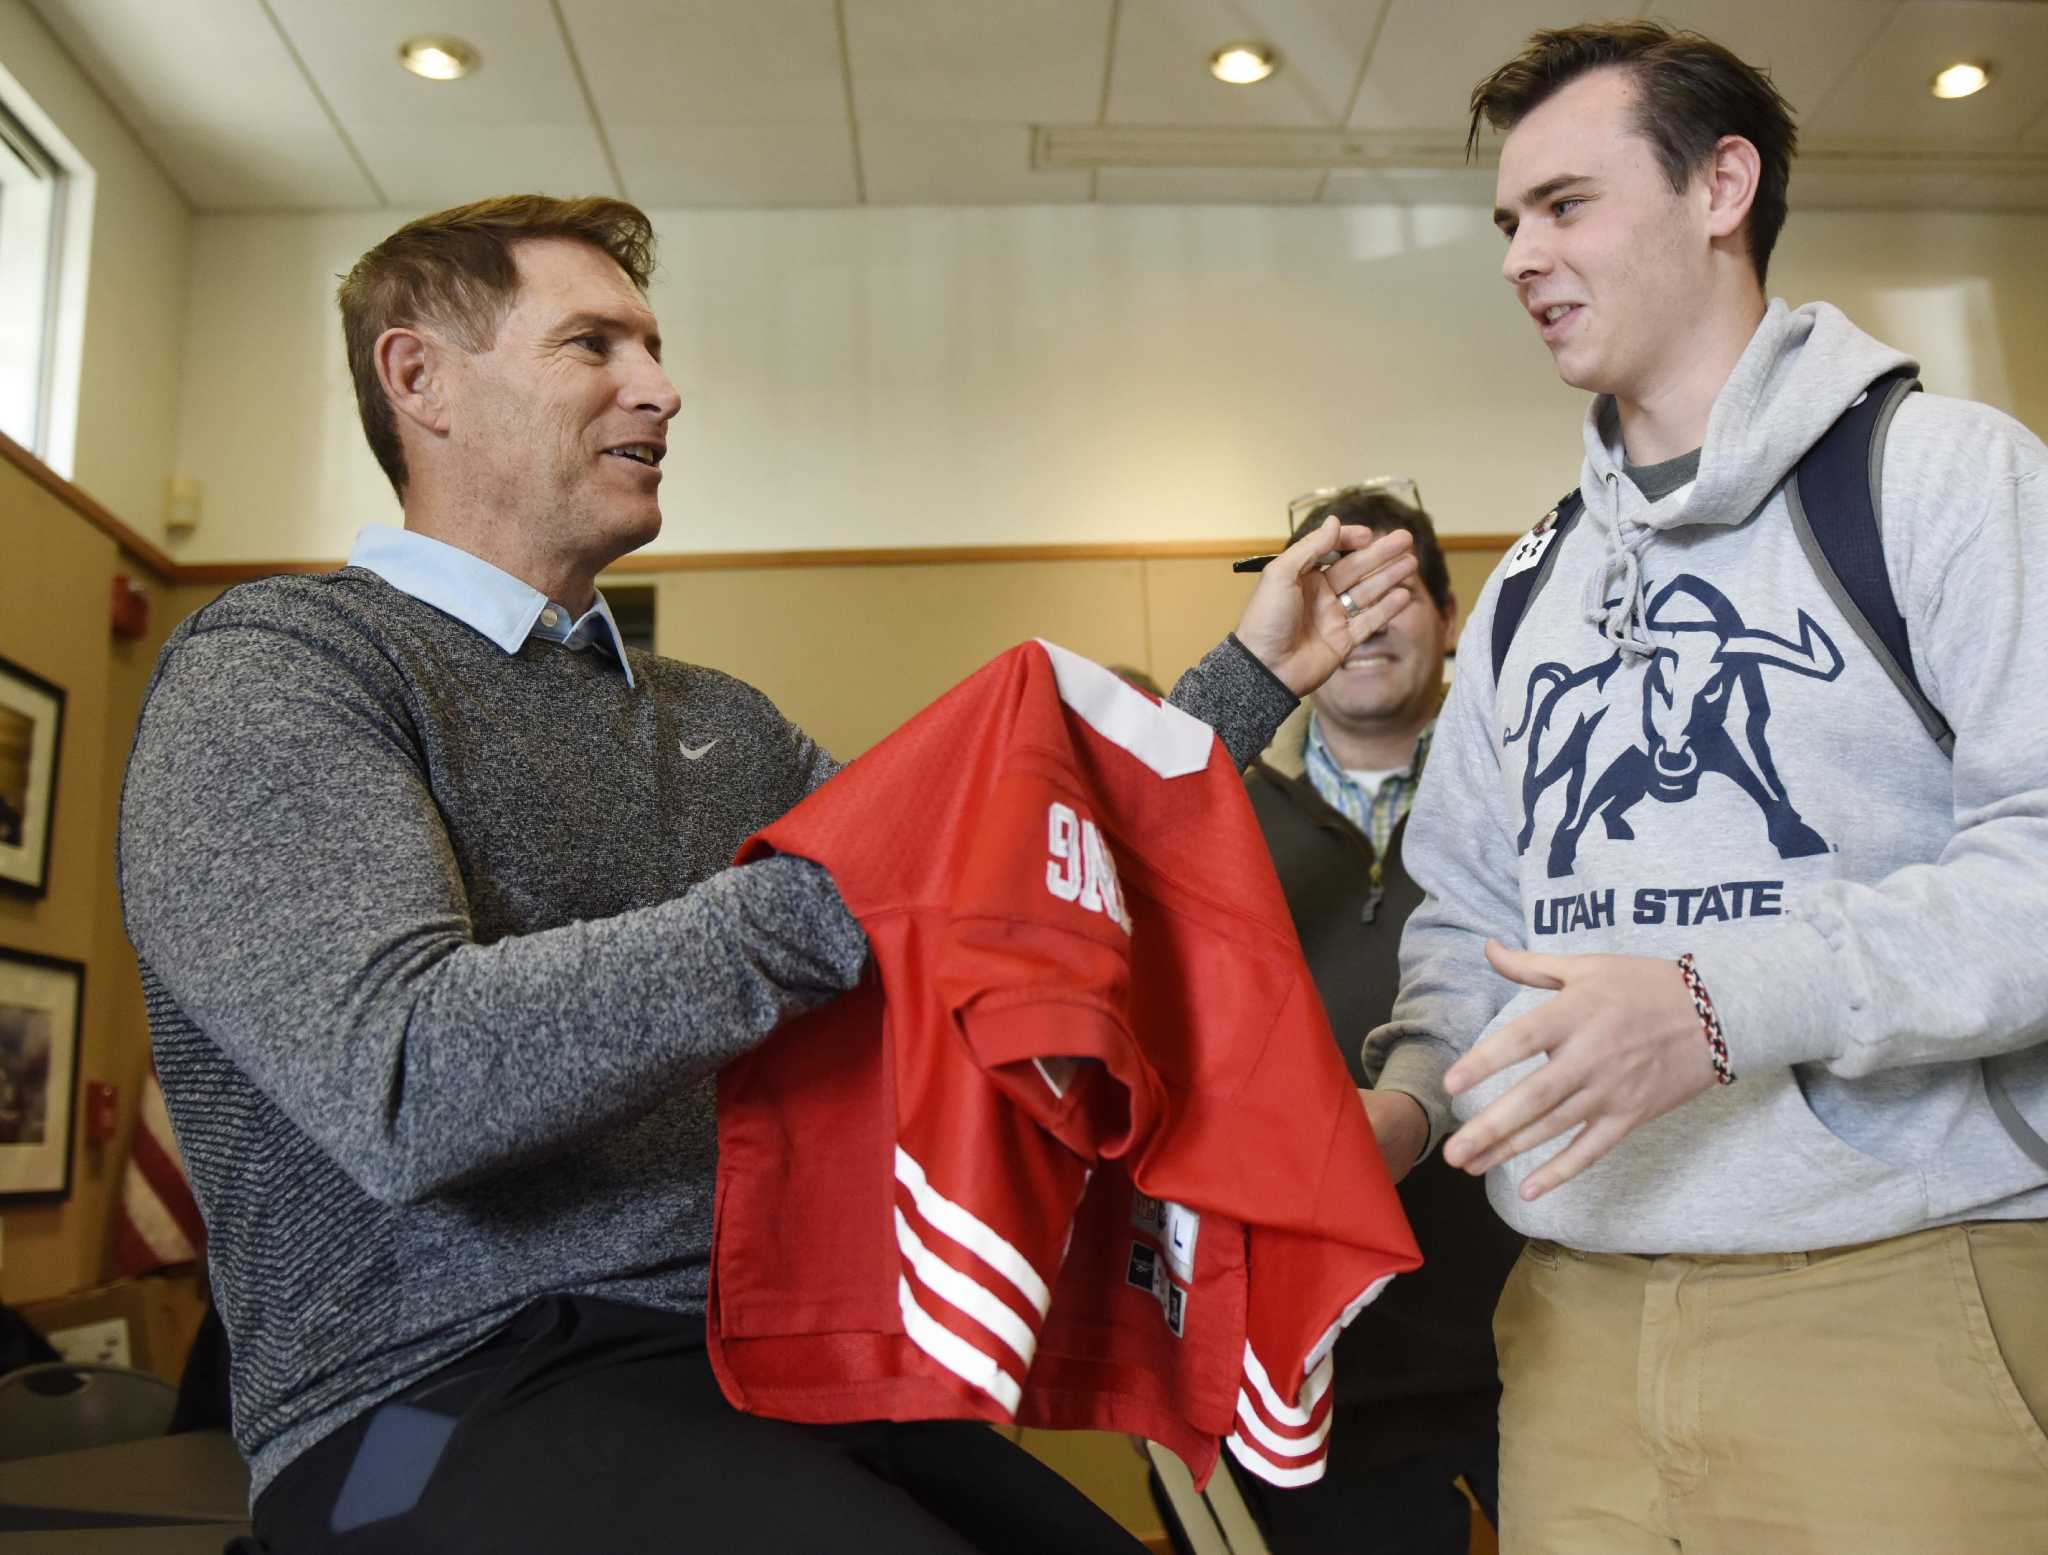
x=42 y=1008
x=31 y=737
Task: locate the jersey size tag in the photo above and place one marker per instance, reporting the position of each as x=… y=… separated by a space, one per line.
x=1529 y=549
x=1175 y=1227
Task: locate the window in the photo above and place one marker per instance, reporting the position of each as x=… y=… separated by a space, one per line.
x=31 y=208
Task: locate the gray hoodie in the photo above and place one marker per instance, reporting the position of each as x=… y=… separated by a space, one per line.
x=1689 y=749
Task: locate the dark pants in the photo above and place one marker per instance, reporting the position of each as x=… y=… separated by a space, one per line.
x=1412 y=1507
x=587 y=1425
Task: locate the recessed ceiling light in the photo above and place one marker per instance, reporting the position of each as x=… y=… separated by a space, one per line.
x=1243 y=64
x=1961 y=81
x=438 y=57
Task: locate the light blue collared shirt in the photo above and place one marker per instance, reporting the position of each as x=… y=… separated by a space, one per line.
x=482 y=597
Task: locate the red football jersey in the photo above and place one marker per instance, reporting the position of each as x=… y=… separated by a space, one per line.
x=1081 y=1151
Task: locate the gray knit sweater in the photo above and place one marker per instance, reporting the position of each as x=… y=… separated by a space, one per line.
x=442 y=954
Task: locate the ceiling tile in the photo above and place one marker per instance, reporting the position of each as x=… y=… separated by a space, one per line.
x=352 y=50
x=1161 y=73
x=977 y=61
x=1886 y=98
x=960 y=164
x=228 y=112
x=669 y=167
x=235 y=64
x=1807 y=47
x=459 y=163
x=1207 y=186
x=232 y=167
x=737 y=102
x=1431 y=52
x=720 y=62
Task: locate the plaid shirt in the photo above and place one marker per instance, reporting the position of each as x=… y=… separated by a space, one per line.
x=1378 y=814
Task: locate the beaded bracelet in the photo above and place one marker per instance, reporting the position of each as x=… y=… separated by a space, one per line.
x=1710 y=1021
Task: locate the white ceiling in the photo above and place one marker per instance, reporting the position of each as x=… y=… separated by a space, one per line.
x=301 y=105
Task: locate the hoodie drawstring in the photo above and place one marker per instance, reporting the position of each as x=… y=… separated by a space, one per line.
x=1614 y=597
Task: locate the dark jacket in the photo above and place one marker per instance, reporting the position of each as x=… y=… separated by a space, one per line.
x=1416 y=1369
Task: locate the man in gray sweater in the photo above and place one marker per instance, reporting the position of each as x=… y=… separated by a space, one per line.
x=427 y=875
x=1725 y=961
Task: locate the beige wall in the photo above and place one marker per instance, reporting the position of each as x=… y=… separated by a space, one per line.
x=848 y=653
x=858 y=379
x=53 y=621
x=138 y=281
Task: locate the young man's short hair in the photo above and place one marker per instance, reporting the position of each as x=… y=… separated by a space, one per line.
x=1690 y=92
x=455 y=270
x=1381 y=514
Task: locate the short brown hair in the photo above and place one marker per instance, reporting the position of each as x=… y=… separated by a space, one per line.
x=1690 y=92
x=1383 y=514
x=456 y=269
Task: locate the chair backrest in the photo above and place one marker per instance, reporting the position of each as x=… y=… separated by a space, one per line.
x=62 y=1406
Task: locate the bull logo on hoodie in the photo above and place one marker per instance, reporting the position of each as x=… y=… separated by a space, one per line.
x=1705 y=653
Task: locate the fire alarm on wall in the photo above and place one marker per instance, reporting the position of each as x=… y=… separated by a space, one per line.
x=130 y=607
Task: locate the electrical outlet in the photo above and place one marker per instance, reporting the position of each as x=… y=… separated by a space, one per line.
x=95 y=1344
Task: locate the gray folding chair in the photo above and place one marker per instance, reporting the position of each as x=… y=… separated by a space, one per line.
x=61 y=1406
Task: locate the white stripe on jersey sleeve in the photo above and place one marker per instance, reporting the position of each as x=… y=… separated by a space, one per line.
x=1172 y=743
x=1271 y=1472
x=962 y=1359
x=1285 y=1446
x=966 y=1293
x=962 y=1226
x=1313 y=1387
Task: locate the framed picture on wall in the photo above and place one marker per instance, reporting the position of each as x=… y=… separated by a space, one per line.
x=31 y=727
x=41 y=1002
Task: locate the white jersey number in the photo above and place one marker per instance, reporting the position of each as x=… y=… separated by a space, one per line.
x=1080 y=868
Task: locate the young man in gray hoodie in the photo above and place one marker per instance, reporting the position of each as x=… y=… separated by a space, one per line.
x=1724 y=1055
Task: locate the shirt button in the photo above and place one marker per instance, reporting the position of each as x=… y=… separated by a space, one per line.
x=551 y=616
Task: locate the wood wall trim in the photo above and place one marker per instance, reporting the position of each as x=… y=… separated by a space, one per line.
x=131 y=542
x=222 y=573
x=896 y=556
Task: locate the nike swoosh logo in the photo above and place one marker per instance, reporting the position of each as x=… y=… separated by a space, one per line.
x=692 y=755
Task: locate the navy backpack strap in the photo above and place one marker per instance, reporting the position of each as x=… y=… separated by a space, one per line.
x=1834 y=498
x=1529 y=565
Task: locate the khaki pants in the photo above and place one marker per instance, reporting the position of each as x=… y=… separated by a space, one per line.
x=1862 y=1400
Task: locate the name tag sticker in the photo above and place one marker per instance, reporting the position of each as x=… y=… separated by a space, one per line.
x=1529 y=550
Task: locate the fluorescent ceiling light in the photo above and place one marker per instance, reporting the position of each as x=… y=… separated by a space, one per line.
x=438 y=57
x=1243 y=64
x=1961 y=81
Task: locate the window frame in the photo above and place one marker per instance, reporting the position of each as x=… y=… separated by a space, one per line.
x=33 y=201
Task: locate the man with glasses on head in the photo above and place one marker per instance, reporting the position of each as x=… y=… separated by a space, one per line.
x=1417 y=1391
